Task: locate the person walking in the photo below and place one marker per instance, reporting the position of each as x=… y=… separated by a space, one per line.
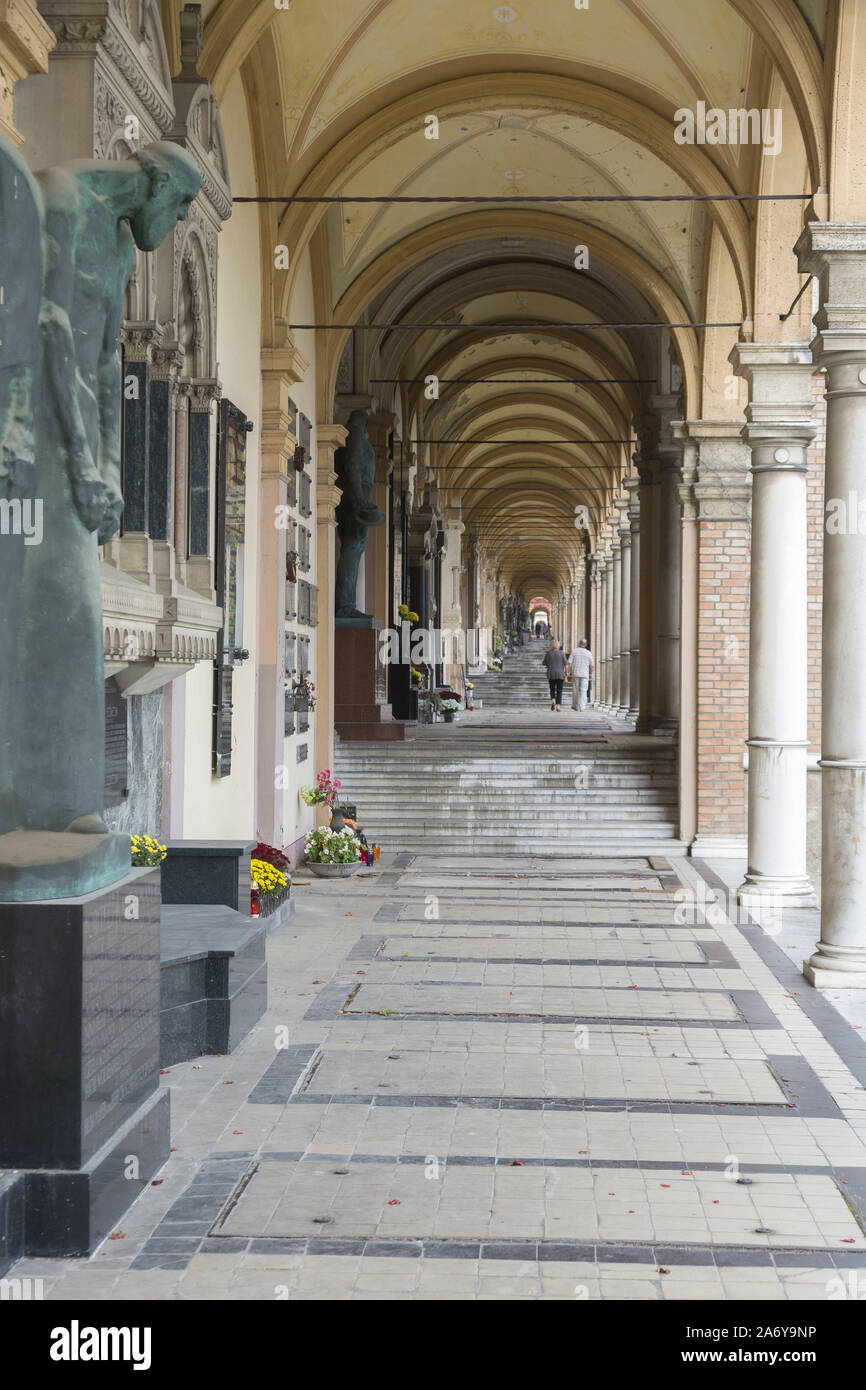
x=581 y=667
x=554 y=664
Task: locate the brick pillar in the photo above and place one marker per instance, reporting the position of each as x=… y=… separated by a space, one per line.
x=720 y=497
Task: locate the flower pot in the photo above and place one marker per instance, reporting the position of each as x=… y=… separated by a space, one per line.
x=448 y=716
x=333 y=870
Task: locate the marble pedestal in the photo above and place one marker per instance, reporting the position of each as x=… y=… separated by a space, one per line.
x=361 y=710
x=82 y=1117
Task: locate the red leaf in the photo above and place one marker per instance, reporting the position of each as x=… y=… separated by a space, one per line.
x=394 y=1202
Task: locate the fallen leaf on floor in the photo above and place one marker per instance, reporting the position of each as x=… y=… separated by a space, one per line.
x=164 y=1071
x=157 y=1182
x=662 y=1270
x=348 y=914
x=360 y=972
x=665 y=1184
x=237 y=1131
x=118 y=1235
x=394 y=1202
x=518 y=1163
x=847 y=1240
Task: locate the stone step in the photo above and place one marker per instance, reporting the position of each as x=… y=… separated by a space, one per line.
x=474 y=818
x=588 y=844
x=491 y=794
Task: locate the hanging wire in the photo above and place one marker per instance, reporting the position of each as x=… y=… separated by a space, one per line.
x=340 y=198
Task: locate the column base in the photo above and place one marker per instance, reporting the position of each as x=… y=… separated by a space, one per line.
x=764 y=890
x=836 y=967
x=719 y=847
x=833 y=979
x=634 y=717
x=621 y=711
x=663 y=724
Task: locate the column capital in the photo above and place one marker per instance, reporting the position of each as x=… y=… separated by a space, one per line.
x=632 y=485
x=140 y=340
x=717 y=484
x=287 y=361
x=836 y=253
x=779 y=410
x=203 y=392
x=329 y=438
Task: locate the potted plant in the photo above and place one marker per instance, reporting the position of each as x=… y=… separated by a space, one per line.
x=270 y=883
x=333 y=853
x=267 y=891
x=449 y=706
x=146 y=852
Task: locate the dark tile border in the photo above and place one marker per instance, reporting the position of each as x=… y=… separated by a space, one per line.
x=845 y=1041
x=651 y=1021
x=283 y=1075
x=537 y=960
x=572 y=1252
x=367 y=947
x=569 y=1103
x=653 y=1165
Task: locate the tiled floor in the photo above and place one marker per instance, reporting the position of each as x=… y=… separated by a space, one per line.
x=510 y=1079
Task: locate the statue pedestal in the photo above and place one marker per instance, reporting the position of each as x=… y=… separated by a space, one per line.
x=361 y=711
x=82 y=1116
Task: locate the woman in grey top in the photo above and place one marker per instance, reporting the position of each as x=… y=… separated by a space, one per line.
x=554 y=664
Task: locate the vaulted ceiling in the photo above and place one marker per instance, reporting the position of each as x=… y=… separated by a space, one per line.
x=534 y=98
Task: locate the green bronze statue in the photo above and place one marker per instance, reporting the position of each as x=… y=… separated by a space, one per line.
x=355 y=465
x=67 y=239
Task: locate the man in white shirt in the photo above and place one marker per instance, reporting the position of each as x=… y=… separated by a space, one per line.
x=581 y=666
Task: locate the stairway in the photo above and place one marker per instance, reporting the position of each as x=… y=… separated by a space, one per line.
x=521 y=684
x=560 y=785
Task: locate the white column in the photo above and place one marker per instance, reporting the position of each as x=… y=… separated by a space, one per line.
x=615 y=623
x=601 y=668
x=608 y=630
x=836 y=253
x=625 y=616
x=632 y=485
x=778 y=431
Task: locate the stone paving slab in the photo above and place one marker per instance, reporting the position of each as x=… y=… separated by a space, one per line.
x=386 y=1200
x=549 y=1002
x=544 y=975
x=424 y=1072
x=592 y=945
x=728 y=1140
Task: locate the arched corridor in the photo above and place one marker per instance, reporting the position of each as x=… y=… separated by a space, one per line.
x=494 y=335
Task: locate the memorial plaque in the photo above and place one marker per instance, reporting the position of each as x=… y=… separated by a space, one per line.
x=116 y=745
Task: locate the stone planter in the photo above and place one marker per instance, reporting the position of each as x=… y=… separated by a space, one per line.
x=333 y=870
x=448 y=716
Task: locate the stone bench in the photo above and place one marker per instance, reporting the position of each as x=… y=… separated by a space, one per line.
x=213 y=979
